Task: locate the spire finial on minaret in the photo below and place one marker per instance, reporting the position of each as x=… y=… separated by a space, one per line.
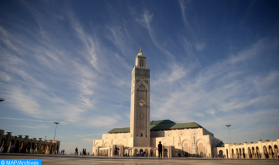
x=140 y=49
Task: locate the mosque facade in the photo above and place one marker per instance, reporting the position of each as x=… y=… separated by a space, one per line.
x=143 y=135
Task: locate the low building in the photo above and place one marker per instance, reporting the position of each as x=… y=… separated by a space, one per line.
x=36 y=146
x=260 y=150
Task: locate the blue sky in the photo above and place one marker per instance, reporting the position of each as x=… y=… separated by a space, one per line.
x=212 y=62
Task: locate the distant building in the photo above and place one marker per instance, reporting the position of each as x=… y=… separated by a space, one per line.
x=143 y=135
x=260 y=150
x=36 y=146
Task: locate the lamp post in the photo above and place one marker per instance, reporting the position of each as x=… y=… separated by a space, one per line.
x=55 y=128
x=229 y=132
x=1 y=99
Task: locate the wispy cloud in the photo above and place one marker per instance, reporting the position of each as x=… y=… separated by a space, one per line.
x=184 y=4
x=218 y=87
x=43 y=121
x=145 y=20
x=88 y=42
x=40 y=126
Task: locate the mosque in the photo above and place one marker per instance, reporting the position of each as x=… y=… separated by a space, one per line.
x=144 y=135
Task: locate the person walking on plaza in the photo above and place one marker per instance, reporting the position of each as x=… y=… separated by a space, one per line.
x=160 y=148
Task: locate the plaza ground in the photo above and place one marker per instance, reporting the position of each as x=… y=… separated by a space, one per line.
x=86 y=160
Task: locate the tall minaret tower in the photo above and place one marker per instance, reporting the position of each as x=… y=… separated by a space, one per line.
x=140 y=103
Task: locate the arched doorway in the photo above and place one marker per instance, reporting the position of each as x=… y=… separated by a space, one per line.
x=220 y=155
x=152 y=153
x=201 y=150
x=29 y=147
x=237 y=153
x=17 y=146
x=57 y=150
x=186 y=149
x=136 y=152
x=32 y=147
x=51 y=150
x=270 y=152
x=249 y=152
x=126 y=152
x=265 y=152
x=165 y=153
x=240 y=153
x=243 y=152
x=141 y=152
x=146 y=152
x=232 y=153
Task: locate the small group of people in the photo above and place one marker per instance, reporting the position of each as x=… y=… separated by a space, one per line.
x=81 y=153
x=84 y=152
x=144 y=154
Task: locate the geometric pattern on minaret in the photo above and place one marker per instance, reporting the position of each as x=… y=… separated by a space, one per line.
x=140 y=103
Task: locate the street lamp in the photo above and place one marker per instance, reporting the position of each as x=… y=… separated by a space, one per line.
x=1 y=99
x=229 y=132
x=55 y=128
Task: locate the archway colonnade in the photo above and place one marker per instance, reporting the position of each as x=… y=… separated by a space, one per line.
x=19 y=144
x=260 y=150
x=121 y=151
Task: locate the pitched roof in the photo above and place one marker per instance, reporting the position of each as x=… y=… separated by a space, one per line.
x=161 y=122
x=120 y=130
x=160 y=125
x=221 y=144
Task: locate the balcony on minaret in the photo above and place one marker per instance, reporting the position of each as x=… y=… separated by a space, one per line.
x=140 y=60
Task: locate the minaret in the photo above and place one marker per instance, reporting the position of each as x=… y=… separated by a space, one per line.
x=140 y=103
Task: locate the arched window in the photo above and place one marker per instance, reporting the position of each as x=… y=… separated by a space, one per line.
x=141 y=62
x=141 y=134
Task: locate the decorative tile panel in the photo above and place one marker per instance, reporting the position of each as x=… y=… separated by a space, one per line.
x=142 y=72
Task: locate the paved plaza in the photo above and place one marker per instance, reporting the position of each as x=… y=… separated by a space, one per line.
x=80 y=160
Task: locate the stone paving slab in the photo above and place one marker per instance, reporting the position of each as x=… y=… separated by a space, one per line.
x=91 y=160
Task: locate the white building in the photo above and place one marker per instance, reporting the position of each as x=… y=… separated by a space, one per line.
x=144 y=135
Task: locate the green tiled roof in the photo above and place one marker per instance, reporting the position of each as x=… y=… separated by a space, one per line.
x=160 y=125
x=161 y=122
x=121 y=129
x=221 y=144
